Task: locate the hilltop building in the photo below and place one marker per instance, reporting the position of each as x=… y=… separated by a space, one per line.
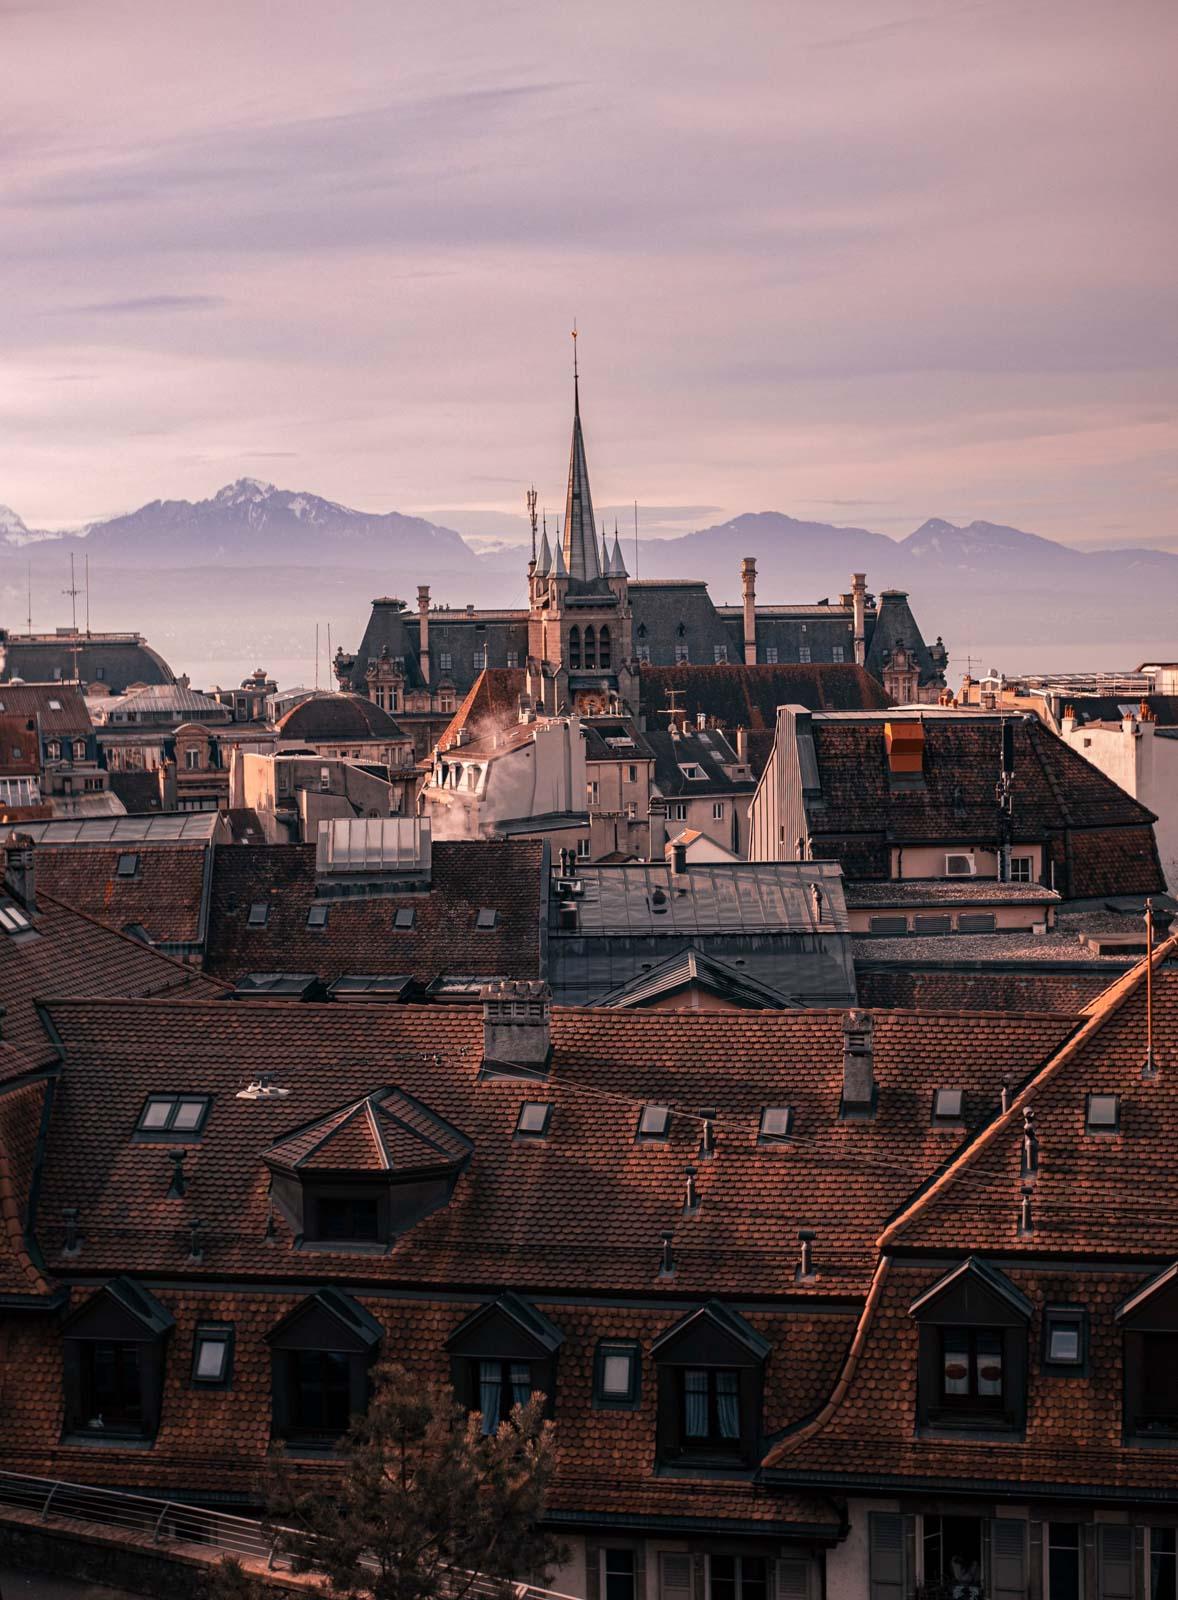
x=590 y=628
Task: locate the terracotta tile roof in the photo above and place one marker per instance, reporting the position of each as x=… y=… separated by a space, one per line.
x=490 y=707
x=739 y=696
x=21 y=1112
x=996 y=988
x=360 y=936
x=73 y=954
x=166 y=894
x=20 y=748
x=581 y=1210
x=60 y=707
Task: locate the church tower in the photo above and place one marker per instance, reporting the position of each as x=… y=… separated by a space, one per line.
x=580 y=655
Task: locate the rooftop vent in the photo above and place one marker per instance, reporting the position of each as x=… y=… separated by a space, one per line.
x=397 y=848
x=517 y=1025
x=263 y=1088
x=858 y=1064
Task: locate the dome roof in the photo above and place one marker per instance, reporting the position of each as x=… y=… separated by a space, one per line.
x=337 y=716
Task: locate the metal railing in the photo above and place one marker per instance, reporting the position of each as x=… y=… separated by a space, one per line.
x=175 y=1522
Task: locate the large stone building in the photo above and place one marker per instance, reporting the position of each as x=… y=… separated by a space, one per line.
x=589 y=628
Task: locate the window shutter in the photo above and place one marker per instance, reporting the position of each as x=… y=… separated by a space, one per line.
x=674 y=1575
x=1115 y=1561
x=886 y=1536
x=1008 y=1558
x=793 y=1578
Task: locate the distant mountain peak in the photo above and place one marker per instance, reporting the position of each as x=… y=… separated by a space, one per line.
x=10 y=523
x=245 y=489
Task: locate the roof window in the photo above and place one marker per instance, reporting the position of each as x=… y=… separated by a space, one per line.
x=259 y=914
x=404 y=917
x=617 y=1372
x=776 y=1124
x=534 y=1117
x=317 y=915
x=487 y=917
x=173 y=1116
x=55 y=705
x=128 y=865
x=948 y=1105
x=13 y=919
x=654 y=1122
x=1063 y=1336
x=1104 y=1113
x=212 y=1354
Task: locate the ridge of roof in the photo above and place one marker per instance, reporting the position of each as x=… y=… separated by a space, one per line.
x=192 y=974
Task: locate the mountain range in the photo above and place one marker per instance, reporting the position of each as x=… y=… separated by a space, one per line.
x=257 y=565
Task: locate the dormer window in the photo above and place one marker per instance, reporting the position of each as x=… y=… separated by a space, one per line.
x=972 y=1368
x=113 y=1349
x=501 y=1355
x=320 y=1357
x=1149 y=1323
x=711 y=1376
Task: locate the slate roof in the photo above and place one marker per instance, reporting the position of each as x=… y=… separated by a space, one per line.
x=703 y=748
x=167 y=894
x=71 y=720
x=1103 y=839
x=138 y=791
x=894 y=626
x=1107 y=708
x=692 y=968
x=328 y=717
x=72 y=953
x=738 y=696
x=581 y=1211
x=360 y=936
x=115 y=661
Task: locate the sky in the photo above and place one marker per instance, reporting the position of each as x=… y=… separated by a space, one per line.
x=862 y=261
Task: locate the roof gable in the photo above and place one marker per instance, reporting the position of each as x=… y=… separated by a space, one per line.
x=711 y=1334
x=327 y=1320
x=509 y=1326
x=972 y=1293
x=120 y=1310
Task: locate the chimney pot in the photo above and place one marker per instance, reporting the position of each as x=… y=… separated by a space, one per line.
x=517 y=1024
x=1030 y=1145
x=1026 y=1221
x=69 y=1216
x=707 y=1138
x=177 y=1186
x=806 y=1237
x=667 y=1261
x=691 y=1194
x=858 y=1063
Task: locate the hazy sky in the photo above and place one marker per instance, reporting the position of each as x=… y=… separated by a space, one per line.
x=861 y=260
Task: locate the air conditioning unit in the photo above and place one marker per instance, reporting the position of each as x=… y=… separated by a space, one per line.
x=960 y=866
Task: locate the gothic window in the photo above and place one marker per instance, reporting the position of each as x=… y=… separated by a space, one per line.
x=575 y=648
x=590 y=647
x=642 y=630
x=603 y=648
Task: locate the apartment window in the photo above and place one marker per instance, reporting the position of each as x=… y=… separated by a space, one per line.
x=932 y=922
x=445 y=661
x=1163 y=1564
x=617 y=1575
x=771 y=655
x=502 y=1385
x=677 y=810
x=631 y=811
x=977 y=922
x=738 y=1577
x=446 y=701
x=682 y=652
x=192 y=759
x=52 y=750
x=642 y=651
x=112 y=1387
x=594 y=789
x=717 y=810
x=972 y=1369
x=584 y=849
x=616 y=1373
x=513 y=658
x=804 y=652
x=674 y=1575
x=710 y=1408
x=631 y=774
x=719 y=653
x=837 y=653
x=1022 y=869
x=887 y=923
x=1065 y=1562
x=480 y=659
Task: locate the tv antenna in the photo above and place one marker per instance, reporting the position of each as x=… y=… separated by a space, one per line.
x=532 y=516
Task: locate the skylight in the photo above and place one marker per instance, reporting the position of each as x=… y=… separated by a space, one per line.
x=947 y=1105
x=404 y=917
x=128 y=865
x=173 y=1115
x=212 y=1352
x=259 y=913
x=654 y=1122
x=55 y=705
x=13 y=919
x=776 y=1124
x=487 y=917
x=317 y=915
x=534 y=1117
x=1104 y=1113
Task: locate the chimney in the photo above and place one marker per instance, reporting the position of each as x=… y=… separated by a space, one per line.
x=742 y=745
x=20 y=875
x=667 y=1257
x=517 y=1026
x=859 y=615
x=858 y=1064
x=423 y=623
x=679 y=879
x=805 y=1271
x=748 y=580
x=1030 y=1162
x=816 y=896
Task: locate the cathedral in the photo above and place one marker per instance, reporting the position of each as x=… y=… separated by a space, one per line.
x=589 y=629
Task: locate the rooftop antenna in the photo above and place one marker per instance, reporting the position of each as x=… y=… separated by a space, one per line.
x=532 y=517
x=316 y=655
x=329 y=655
x=73 y=591
x=87 y=594
x=635 y=538
x=1149 y=1070
x=29 y=576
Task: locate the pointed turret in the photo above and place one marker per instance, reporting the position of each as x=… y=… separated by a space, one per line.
x=617 y=567
x=544 y=559
x=559 y=570
x=581 y=556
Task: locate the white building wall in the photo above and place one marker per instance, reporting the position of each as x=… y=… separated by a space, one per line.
x=847 y=1564
x=1145 y=764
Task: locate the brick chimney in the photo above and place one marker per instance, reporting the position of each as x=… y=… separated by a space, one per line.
x=20 y=877
x=517 y=1026
x=423 y=624
x=748 y=581
x=858 y=1064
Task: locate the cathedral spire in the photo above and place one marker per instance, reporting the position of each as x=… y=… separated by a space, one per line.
x=581 y=555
